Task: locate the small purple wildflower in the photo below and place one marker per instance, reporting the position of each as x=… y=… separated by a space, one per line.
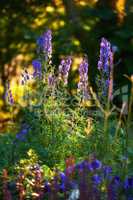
x=96 y=164
x=51 y=80
x=64 y=69
x=96 y=179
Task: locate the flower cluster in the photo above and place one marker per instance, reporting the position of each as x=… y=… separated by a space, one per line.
x=51 y=79
x=64 y=69
x=45 y=44
x=105 y=66
x=84 y=180
x=37 y=68
x=25 y=77
x=9 y=95
x=83 y=79
x=105 y=53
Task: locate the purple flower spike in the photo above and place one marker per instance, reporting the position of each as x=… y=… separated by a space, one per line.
x=105 y=49
x=45 y=44
x=83 y=76
x=37 y=68
x=105 y=66
x=64 y=69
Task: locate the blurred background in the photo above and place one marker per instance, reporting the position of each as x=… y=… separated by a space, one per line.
x=77 y=27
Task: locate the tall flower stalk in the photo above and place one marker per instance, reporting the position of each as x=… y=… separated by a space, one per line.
x=83 y=79
x=44 y=43
x=105 y=81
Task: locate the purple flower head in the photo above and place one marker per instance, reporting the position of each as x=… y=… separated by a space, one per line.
x=37 y=68
x=45 y=43
x=105 y=66
x=64 y=69
x=83 y=68
x=96 y=179
x=96 y=164
x=128 y=183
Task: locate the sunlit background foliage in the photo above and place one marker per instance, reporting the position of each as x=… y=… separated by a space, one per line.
x=77 y=27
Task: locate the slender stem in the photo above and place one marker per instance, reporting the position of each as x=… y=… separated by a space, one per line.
x=129 y=118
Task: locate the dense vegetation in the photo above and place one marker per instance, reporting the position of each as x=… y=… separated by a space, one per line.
x=67 y=100
x=56 y=126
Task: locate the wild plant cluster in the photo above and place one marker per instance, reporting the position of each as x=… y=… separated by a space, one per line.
x=58 y=128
